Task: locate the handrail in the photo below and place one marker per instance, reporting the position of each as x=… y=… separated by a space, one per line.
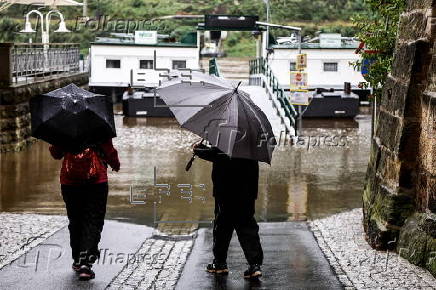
x=40 y=44
x=259 y=66
x=28 y=62
x=214 y=68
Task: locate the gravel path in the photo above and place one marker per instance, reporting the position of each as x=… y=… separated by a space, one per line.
x=21 y=232
x=358 y=266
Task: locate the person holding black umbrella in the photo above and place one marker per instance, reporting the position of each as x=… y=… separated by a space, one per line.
x=80 y=126
x=84 y=186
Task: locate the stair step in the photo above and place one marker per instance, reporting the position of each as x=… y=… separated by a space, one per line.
x=260 y=98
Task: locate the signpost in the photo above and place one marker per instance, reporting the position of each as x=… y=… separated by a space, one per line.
x=299 y=97
x=301 y=63
x=298 y=82
x=145 y=37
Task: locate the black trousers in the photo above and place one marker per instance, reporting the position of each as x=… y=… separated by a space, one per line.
x=236 y=214
x=86 y=208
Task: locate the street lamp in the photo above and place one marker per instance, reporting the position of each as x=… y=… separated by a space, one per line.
x=62 y=26
x=28 y=25
x=28 y=28
x=45 y=32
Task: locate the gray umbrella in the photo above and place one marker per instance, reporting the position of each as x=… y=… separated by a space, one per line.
x=224 y=115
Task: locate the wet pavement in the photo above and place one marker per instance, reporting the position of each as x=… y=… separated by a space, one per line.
x=48 y=265
x=311 y=180
x=293 y=260
x=321 y=175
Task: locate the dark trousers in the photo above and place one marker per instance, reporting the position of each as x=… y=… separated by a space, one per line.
x=236 y=214
x=86 y=208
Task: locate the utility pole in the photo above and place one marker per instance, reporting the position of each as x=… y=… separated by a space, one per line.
x=267 y=21
x=85 y=8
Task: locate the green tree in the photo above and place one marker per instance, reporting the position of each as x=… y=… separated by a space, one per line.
x=378 y=31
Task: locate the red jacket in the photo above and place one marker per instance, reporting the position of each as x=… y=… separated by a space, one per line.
x=110 y=157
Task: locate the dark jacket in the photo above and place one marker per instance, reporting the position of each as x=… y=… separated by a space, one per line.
x=231 y=176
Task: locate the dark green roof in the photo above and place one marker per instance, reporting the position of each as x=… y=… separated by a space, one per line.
x=159 y=44
x=313 y=46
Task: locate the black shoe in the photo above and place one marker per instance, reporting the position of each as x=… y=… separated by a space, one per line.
x=85 y=273
x=219 y=268
x=76 y=267
x=253 y=271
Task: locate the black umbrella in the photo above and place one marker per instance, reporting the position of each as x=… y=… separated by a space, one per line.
x=72 y=118
x=222 y=114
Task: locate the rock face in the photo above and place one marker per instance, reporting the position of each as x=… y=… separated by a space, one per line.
x=15 y=129
x=399 y=199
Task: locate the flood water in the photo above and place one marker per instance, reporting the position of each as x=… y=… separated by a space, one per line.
x=302 y=182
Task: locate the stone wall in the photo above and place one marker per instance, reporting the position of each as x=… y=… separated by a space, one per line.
x=15 y=129
x=399 y=199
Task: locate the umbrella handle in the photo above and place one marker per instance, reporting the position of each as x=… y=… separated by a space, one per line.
x=189 y=164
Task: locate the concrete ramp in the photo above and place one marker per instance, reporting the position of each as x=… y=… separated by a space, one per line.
x=261 y=99
x=292 y=260
x=48 y=265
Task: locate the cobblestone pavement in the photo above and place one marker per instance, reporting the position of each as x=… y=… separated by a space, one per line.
x=21 y=232
x=358 y=266
x=164 y=258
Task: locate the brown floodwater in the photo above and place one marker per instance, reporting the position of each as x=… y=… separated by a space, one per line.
x=303 y=181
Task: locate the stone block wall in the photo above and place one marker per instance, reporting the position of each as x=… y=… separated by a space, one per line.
x=399 y=199
x=14 y=127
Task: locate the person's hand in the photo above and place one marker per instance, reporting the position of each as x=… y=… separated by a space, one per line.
x=116 y=168
x=196 y=144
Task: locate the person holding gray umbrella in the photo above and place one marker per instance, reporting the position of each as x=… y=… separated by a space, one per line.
x=240 y=136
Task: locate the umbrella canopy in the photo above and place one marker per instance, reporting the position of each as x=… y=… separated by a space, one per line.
x=72 y=118
x=46 y=2
x=214 y=109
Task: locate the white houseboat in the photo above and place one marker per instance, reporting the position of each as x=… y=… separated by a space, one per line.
x=328 y=61
x=116 y=63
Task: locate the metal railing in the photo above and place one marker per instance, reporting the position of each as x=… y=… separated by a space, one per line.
x=262 y=75
x=214 y=68
x=32 y=61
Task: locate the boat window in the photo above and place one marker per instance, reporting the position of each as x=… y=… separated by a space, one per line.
x=179 y=64
x=293 y=66
x=113 y=63
x=330 y=66
x=146 y=64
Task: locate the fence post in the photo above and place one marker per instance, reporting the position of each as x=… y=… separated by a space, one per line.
x=6 y=67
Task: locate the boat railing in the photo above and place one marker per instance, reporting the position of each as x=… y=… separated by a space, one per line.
x=214 y=68
x=261 y=74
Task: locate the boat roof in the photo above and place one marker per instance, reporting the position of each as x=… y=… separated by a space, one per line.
x=159 y=44
x=309 y=45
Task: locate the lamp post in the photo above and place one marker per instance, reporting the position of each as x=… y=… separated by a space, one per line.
x=45 y=31
x=267 y=21
x=28 y=25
